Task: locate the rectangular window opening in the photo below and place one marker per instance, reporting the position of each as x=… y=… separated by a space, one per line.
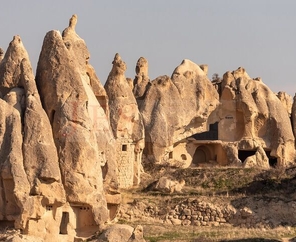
x=124 y=148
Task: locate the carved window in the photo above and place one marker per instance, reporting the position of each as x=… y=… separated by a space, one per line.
x=184 y=157
x=124 y=148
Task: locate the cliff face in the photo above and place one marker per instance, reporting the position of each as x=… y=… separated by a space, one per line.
x=30 y=174
x=127 y=124
x=79 y=124
x=252 y=115
x=176 y=108
x=52 y=152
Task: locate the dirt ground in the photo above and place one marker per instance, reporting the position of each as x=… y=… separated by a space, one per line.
x=269 y=193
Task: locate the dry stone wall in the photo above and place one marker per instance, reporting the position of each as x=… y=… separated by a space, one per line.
x=200 y=212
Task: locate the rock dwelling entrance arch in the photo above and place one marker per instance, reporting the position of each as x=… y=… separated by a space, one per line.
x=202 y=155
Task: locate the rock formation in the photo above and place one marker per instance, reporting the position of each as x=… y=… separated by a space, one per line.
x=252 y=115
x=67 y=143
x=286 y=100
x=293 y=115
x=79 y=123
x=165 y=111
x=126 y=123
x=259 y=160
x=141 y=81
x=30 y=175
x=1 y=54
x=169 y=185
x=122 y=233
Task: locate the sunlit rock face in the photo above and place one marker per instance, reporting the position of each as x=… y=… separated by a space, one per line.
x=286 y=100
x=142 y=80
x=29 y=168
x=252 y=115
x=176 y=108
x=79 y=123
x=127 y=124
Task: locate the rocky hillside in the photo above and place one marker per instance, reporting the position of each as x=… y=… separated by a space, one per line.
x=226 y=204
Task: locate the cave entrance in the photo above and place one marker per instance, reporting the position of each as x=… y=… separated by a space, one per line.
x=201 y=156
x=244 y=154
x=64 y=223
x=272 y=159
x=113 y=209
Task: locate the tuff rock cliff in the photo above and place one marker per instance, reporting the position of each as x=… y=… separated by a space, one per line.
x=165 y=108
x=68 y=144
x=30 y=173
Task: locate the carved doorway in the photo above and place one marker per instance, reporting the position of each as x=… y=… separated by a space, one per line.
x=201 y=156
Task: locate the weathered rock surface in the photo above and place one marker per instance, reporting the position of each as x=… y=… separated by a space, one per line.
x=76 y=116
x=286 y=100
x=259 y=160
x=122 y=233
x=142 y=80
x=165 y=109
x=169 y=185
x=126 y=123
x=30 y=172
x=125 y=118
x=252 y=115
x=1 y=54
x=293 y=116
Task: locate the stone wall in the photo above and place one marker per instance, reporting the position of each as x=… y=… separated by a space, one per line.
x=196 y=212
x=125 y=163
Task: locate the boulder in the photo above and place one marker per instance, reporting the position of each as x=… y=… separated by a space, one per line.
x=137 y=235
x=117 y=233
x=80 y=127
x=259 y=160
x=168 y=185
x=122 y=233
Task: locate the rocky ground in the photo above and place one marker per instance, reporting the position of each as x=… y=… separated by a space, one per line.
x=216 y=204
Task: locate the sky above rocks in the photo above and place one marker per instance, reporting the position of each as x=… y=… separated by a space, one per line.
x=259 y=35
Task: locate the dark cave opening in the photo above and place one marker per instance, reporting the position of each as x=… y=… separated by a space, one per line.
x=244 y=154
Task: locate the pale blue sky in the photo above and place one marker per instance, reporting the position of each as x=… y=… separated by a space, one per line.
x=259 y=35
